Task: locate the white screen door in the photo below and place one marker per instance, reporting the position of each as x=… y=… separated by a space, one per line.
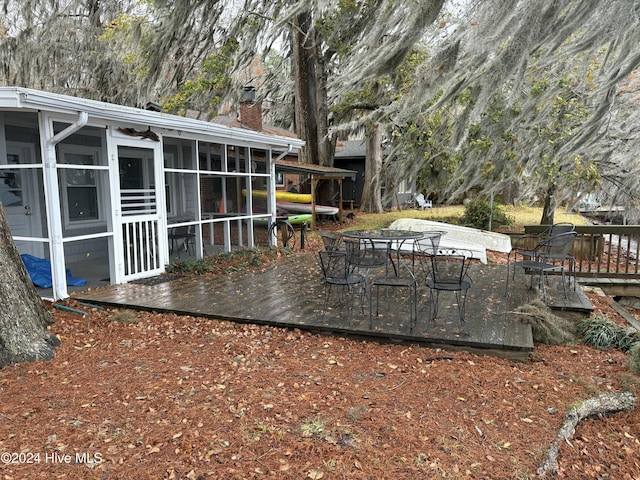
x=139 y=201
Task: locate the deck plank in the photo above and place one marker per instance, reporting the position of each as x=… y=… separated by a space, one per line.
x=290 y=294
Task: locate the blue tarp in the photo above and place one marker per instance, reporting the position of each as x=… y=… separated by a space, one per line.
x=39 y=270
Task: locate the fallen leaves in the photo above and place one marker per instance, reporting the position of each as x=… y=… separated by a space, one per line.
x=184 y=397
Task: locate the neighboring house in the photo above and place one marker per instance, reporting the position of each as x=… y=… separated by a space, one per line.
x=84 y=179
x=351 y=155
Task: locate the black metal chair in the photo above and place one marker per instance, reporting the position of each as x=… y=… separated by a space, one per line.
x=524 y=246
x=183 y=238
x=424 y=247
x=449 y=272
x=402 y=276
x=336 y=271
x=550 y=255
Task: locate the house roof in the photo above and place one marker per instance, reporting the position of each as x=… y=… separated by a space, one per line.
x=350 y=149
x=24 y=98
x=232 y=122
x=354 y=149
x=317 y=171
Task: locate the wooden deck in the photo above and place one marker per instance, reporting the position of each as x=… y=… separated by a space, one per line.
x=290 y=294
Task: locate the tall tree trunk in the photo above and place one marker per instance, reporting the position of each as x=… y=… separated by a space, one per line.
x=311 y=104
x=304 y=77
x=371 y=193
x=23 y=317
x=549 y=208
x=326 y=142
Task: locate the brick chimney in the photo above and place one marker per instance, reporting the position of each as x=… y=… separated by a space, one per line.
x=250 y=110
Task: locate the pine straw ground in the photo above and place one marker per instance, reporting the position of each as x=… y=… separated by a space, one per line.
x=138 y=395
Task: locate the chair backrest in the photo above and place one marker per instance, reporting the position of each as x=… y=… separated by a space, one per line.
x=423 y=202
x=180 y=231
x=333 y=264
x=449 y=267
x=531 y=241
x=562 y=227
x=366 y=254
x=429 y=244
x=331 y=240
x=555 y=248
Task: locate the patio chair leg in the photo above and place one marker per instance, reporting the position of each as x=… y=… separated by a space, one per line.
x=348 y=301
x=461 y=298
x=506 y=288
x=413 y=303
x=433 y=298
x=327 y=292
x=377 y=287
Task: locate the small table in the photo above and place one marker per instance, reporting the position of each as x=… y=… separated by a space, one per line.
x=389 y=236
x=383 y=234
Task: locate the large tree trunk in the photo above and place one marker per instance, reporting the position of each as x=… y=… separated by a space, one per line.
x=304 y=78
x=326 y=143
x=311 y=104
x=371 y=193
x=23 y=317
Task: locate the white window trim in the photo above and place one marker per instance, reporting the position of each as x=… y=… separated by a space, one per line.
x=63 y=166
x=171 y=183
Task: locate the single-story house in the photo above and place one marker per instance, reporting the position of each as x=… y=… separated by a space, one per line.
x=85 y=179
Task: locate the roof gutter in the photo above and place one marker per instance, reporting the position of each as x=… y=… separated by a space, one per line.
x=119 y=113
x=83 y=119
x=284 y=154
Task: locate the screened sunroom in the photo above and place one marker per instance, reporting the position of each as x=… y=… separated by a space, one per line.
x=85 y=182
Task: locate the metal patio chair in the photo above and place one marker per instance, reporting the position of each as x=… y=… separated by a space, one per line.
x=336 y=272
x=363 y=255
x=550 y=255
x=524 y=246
x=448 y=271
x=400 y=277
x=424 y=247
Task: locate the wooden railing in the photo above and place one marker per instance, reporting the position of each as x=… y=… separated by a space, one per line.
x=604 y=251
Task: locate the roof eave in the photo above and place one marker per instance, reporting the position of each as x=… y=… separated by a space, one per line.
x=40 y=100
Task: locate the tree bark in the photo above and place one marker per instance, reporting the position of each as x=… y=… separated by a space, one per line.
x=311 y=102
x=23 y=317
x=371 y=195
x=304 y=79
x=549 y=208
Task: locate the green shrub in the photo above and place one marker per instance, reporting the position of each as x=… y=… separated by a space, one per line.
x=190 y=265
x=634 y=361
x=603 y=334
x=478 y=212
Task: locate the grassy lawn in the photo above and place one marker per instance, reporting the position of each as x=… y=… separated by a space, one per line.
x=522 y=215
